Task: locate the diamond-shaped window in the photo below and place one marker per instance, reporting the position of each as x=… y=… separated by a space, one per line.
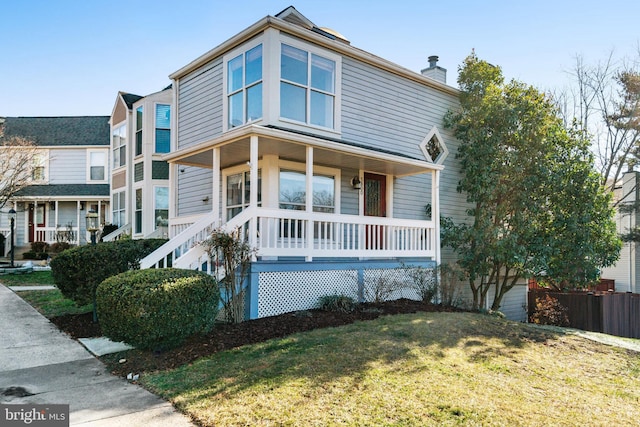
x=433 y=147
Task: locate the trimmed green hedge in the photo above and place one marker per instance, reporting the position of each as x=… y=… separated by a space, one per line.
x=157 y=309
x=78 y=271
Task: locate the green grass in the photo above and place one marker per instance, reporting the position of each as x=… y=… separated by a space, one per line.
x=27 y=279
x=52 y=303
x=413 y=370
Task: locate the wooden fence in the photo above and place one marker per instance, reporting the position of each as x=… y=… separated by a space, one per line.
x=611 y=313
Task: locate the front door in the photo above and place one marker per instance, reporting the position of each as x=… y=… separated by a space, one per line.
x=36 y=218
x=375 y=204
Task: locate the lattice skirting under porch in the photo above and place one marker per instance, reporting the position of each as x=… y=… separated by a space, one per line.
x=281 y=287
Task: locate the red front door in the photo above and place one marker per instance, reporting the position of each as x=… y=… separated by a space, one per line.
x=375 y=204
x=36 y=217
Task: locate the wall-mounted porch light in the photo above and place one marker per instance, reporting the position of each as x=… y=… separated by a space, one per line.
x=356 y=184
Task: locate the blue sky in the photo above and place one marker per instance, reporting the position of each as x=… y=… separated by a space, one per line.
x=71 y=57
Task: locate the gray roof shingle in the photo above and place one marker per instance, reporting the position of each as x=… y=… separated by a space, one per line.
x=59 y=190
x=59 y=131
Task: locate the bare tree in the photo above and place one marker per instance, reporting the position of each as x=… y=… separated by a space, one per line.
x=603 y=103
x=17 y=155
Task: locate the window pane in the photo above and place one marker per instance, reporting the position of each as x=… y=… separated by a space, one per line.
x=293 y=103
x=116 y=158
x=323 y=193
x=321 y=109
x=236 y=110
x=254 y=102
x=123 y=155
x=138 y=143
x=292 y=190
x=121 y=196
x=162 y=197
x=247 y=187
x=163 y=140
x=322 y=73
x=97 y=173
x=234 y=72
x=234 y=190
x=293 y=65
x=163 y=116
x=254 y=65
x=139 y=118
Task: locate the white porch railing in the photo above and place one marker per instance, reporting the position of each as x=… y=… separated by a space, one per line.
x=278 y=232
x=117 y=233
x=179 y=224
x=56 y=234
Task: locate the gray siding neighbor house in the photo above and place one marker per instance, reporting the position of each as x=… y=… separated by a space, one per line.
x=71 y=176
x=324 y=156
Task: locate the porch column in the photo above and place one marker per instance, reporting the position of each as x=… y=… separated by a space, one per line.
x=57 y=209
x=215 y=196
x=309 y=202
x=435 y=212
x=253 y=194
x=78 y=206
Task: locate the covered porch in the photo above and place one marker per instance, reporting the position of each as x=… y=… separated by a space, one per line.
x=316 y=198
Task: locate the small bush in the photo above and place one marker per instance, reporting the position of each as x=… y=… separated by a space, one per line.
x=39 y=247
x=78 y=271
x=549 y=311
x=380 y=285
x=58 y=247
x=424 y=281
x=340 y=303
x=157 y=309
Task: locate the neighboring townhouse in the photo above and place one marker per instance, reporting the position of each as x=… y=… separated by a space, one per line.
x=626 y=271
x=323 y=155
x=140 y=136
x=70 y=177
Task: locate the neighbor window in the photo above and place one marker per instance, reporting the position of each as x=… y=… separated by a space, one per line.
x=293 y=191
x=239 y=191
x=138 y=212
x=307 y=87
x=97 y=165
x=163 y=128
x=38 y=173
x=161 y=202
x=244 y=87
x=138 y=131
x=118 y=209
x=119 y=146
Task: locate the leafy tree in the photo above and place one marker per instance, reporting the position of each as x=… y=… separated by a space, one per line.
x=518 y=164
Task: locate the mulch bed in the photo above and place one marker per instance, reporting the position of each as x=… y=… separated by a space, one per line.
x=227 y=336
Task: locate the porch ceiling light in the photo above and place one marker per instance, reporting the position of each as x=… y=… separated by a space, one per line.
x=356 y=184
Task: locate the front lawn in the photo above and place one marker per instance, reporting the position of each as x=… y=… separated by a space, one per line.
x=52 y=303
x=418 y=369
x=35 y=278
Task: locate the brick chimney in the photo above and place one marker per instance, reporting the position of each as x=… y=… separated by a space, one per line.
x=434 y=71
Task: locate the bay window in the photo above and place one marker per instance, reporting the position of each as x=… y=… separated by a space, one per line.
x=119 y=146
x=161 y=203
x=238 y=192
x=293 y=191
x=163 y=128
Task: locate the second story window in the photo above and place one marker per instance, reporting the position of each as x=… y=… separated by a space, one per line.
x=307 y=87
x=39 y=170
x=244 y=87
x=138 y=131
x=97 y=165
x=119 y=146
x=163 y=128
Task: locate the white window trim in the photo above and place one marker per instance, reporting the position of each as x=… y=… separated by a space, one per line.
x=155 y=107
x=225 y=60
x=155 y=227
x=319 y=170
x=44 y=156
x=112 y=147
x=106 y=167
x=135 y=130
x=423 y=146
x=275 y=71
x=233 y=170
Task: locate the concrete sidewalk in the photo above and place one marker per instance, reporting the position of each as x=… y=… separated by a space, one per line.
x=51 y=368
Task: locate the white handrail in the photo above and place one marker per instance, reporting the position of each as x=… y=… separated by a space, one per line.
x=117 y=233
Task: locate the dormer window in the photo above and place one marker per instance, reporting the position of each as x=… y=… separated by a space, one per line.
x=244 y=87
x=307 y=87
